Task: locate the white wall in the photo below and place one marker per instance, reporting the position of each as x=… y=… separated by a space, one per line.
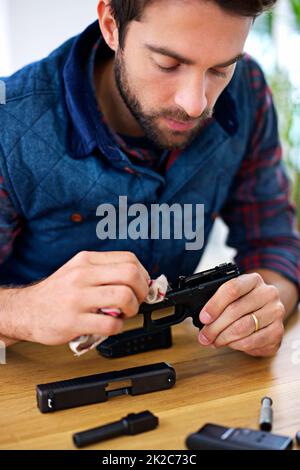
x=5 y=50
x=31 y=29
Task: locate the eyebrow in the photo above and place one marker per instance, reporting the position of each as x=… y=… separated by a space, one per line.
x=167 y=52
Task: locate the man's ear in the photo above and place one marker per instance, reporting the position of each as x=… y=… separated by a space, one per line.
x=108 y=25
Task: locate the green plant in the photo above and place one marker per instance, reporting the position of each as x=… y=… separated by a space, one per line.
x=295 y=4
x=288 y=109
x=287 y=103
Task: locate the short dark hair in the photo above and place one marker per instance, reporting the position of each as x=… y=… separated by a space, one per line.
x=125 y=11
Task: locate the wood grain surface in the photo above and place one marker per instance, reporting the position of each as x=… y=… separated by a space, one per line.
x=218 y=386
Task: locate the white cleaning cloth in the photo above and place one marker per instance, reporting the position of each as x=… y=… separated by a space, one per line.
x=157 y=292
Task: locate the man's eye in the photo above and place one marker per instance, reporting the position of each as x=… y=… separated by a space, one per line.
x=217 y=73
x=167 y=69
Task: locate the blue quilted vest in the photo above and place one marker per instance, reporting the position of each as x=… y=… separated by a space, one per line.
x=51 y=173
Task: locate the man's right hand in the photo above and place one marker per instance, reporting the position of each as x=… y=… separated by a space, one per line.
x=65 y=305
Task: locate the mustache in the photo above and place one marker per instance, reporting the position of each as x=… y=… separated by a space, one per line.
x=183 y=117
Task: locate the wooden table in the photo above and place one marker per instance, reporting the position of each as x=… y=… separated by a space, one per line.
x=219 y=386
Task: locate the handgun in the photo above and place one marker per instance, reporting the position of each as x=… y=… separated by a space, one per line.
x=188 y=295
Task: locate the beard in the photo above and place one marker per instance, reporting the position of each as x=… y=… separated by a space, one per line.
x=171 y=140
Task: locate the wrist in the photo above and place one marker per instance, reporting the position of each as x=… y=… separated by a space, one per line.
x=13 y=323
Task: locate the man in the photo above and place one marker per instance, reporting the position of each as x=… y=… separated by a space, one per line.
x=159 y=105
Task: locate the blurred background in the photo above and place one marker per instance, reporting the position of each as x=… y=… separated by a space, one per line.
x=31 y=29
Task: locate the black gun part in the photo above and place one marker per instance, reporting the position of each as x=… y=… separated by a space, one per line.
x=132 y=424
x=188 y=296
x=99 y=388
x=135 y=342
x=215 y=437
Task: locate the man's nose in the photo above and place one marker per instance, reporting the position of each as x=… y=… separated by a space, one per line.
x=191 y=97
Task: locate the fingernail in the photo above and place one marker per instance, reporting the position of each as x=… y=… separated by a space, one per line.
x=202 y=339
x=111 y=312
x=205 y=317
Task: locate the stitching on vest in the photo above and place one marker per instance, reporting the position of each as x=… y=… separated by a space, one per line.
x=50 y=170
x=19 y=140
x=28 y=95
x=30 y=129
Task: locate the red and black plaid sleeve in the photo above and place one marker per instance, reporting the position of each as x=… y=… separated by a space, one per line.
x=10 y=223
x=259 y=214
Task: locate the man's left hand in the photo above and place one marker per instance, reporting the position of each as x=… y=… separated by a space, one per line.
x=229 y=322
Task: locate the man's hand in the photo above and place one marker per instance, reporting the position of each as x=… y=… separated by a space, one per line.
x=228 y=320
x=64 y=306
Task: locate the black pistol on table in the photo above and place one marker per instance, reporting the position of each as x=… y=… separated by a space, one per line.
x=188 y=295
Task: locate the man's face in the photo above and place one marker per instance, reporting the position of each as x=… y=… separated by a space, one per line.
x=175 y=64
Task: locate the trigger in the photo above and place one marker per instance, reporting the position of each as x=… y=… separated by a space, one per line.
x=196 y=322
